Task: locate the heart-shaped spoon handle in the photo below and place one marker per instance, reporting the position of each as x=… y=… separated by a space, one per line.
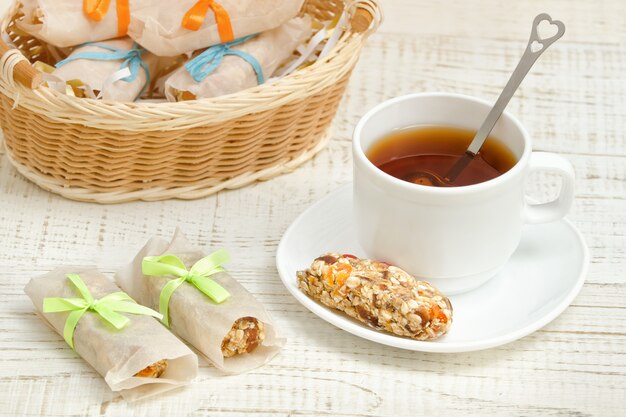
x=536 y=46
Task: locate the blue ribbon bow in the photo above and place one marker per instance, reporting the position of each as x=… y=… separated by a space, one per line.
x=132 y=60
x=204 y=64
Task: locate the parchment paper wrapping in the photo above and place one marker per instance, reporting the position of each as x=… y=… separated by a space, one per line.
x=193 y=316
x=117 y=355
x=159 y=29
x=234 y=74
x=64 y=23
x=95 y=73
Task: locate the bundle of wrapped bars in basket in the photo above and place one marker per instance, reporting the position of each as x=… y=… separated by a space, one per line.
x=189 y=50
x=146 y=146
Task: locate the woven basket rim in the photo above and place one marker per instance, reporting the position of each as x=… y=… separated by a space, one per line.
x=185 y=114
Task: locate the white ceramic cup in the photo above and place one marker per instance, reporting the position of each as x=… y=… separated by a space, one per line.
x=455 y=237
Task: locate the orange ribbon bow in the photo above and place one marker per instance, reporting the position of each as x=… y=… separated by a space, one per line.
x=97 y=9
x=195 y=16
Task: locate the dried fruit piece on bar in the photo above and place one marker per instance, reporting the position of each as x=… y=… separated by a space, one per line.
x=246 y=335
x=153 y=371
x=382 y=296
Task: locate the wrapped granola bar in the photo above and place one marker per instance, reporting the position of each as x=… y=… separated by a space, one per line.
x=74 y=22
x=382 y=296
x=235 y=332
x=117 y=70
x=183 y=26
x=139 y=359
x=244 y=63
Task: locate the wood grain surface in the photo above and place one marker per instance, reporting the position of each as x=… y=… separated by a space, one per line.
x=573 y=103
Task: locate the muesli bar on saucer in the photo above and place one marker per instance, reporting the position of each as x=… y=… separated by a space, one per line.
x=380 y=295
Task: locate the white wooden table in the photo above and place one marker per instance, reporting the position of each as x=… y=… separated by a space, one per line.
x=573 y=103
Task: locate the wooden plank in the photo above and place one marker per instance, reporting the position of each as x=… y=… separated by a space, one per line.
x=599 y=22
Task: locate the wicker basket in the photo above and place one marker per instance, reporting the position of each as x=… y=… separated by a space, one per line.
x=109 y=152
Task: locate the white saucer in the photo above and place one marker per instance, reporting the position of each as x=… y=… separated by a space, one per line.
x=541 y=279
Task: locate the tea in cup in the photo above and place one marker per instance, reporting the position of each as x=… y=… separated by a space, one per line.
x=408 y=153
x=457 y=236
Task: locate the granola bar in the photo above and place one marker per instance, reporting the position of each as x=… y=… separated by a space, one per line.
x=153 y=371
x=235 y=336
x=380 y=295
x=246 y=334
x=130 y=359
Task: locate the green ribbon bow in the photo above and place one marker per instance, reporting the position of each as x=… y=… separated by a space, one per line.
x=198 y=276
x=107 y=307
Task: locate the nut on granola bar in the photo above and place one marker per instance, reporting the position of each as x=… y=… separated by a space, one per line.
x=153 y=371
x=380 y=295
x=246 y=335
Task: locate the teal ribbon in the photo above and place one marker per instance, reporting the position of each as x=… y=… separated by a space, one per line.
x=131 y=60
x=107 y=307
x=204 y=64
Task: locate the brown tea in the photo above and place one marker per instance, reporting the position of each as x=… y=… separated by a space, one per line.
x=407 y=152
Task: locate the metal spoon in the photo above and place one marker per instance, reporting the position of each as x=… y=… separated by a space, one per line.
x=536 y=46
